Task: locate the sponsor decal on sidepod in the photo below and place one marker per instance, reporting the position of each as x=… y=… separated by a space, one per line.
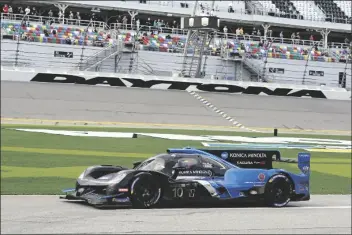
x=261 y=177
x=224 y=155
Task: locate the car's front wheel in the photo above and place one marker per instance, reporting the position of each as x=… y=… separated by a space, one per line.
x=278 y=191
x=145 y=191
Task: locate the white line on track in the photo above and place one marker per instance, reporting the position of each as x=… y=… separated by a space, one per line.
x=232 y=120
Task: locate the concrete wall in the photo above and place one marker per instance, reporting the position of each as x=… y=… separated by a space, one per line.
x=166 y=64
x=41 y=55
x=33 y=54
x=294 y=72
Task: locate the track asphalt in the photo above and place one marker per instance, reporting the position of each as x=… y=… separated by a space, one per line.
x=324 y=214
x=66 y=103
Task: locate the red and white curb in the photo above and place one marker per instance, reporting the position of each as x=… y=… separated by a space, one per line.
x=220 y=112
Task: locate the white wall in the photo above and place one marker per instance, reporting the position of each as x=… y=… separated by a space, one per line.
x=37 y=54
x=166 y=63
x=294 y=71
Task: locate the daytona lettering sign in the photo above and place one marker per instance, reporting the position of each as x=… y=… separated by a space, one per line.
x=176 y=85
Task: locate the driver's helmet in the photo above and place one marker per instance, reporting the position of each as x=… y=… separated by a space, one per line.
x=186 y=162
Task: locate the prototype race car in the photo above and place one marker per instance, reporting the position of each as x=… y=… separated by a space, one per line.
x=195 y=175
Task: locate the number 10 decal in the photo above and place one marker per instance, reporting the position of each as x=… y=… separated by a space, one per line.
x=179 y=192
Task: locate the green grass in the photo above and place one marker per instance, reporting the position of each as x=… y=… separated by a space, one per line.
x=35 y=163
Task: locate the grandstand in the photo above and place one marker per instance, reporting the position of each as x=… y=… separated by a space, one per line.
x=125 y=41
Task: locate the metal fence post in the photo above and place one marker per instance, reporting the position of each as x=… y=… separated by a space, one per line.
x=18 y=41
x=305 y=67
x=82 y=54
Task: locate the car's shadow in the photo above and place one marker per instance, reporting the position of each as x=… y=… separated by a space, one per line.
x=184 y=206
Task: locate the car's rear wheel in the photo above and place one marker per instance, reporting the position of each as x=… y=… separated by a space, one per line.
x=145 y=191
x=278 y=191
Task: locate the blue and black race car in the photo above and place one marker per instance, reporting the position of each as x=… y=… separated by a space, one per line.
x=190 y=175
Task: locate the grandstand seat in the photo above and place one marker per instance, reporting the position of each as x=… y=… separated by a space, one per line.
x=288 y=8
x=37 y=33
x=345 y=6
x=162 y=44
x=309 y=10
x=222 y=6
x=269 y=7
x=332 y=10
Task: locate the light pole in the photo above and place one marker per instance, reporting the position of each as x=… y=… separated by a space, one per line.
x=305 y=67
x=85 y=34
x=18 y=40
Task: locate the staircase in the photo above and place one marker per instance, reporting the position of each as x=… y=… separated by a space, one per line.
x=128 y=61
x=100 y=56
x=255 y=70
x=104 y=54
x=227 y=63
x=196 y=44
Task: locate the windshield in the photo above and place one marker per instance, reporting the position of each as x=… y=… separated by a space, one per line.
x=155 y=164
x=164 y=163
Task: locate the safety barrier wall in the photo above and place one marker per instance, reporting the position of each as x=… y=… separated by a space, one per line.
x=166 y=64
x=303 y=72
x=35 y=54
x=170 y=83
x=42 y=55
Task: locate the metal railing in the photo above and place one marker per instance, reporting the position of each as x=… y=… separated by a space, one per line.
x=41 y=20
x=231 y=36
x=252 y=65
x=100 y=56
x=167 y=30
x=33 y=55
x=148 y=28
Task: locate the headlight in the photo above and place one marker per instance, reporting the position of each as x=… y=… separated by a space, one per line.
x=118 y=178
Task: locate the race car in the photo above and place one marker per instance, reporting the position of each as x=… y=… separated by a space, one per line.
x=190 y=175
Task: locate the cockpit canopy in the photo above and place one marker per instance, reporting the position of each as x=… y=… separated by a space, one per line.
x=166 y=163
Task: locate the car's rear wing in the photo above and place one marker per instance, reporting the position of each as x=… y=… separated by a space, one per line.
x=304 y=163
x=253 y=158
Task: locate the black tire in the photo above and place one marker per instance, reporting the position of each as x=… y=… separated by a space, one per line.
x=145 y=191
x=278 y=191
